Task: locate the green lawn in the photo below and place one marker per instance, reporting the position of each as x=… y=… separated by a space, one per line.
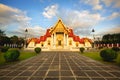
x=96 y=56
x=93 y=55
x=23 y=55
x=2 y=60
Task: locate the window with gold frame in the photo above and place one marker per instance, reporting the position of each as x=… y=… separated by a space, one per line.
x=76 y=44
x=48 y=42
x=42 y=44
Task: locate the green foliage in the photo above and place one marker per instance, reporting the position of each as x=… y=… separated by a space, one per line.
x=4 y=40
x=23 y=55
x=14 y=39
x=111 y=38
x=108 y=54
x=2 y=33
x=116 y=49
x=37 y=50
x=4 y=49
x=10 y=40
x=11 y=55
x=82 y=49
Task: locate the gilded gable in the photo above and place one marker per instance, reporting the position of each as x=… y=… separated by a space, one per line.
x=59 y=28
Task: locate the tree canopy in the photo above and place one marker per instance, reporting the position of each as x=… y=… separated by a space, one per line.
x=10 y=40
x=111 y=38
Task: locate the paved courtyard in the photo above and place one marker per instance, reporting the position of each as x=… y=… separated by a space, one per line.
x=59 y=66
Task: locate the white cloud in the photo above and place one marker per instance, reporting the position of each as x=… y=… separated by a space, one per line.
x=114 y=30
x=81 y=21
x=97 y=7
x=111 y=30
x=9 y=15
x=33 y=31
x=50 y=11
x=95 y=3
x=107 y=2
x=116 y=3
x=114 y=15
x=15 y=17
x=81 y=18
x=36 y=31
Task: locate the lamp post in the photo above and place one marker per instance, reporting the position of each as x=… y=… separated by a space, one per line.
x=26 y=31
x=93 y=37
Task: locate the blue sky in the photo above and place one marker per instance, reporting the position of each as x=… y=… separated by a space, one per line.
x=80 y=15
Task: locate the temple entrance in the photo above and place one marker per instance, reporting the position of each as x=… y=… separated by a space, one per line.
x=59 y=42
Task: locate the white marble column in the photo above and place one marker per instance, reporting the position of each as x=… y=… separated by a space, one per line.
x=54 y=39
x=67 y=41
x=64 y=39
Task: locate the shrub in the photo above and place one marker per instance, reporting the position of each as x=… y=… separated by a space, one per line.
x=108 y=54
x=11 y=55
x=82 y=49
x=37 y=50
x=115 y=49
x=4 y=49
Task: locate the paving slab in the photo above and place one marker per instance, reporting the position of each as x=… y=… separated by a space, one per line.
x=59 y=66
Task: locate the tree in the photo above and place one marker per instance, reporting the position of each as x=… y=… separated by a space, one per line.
x=10 y=40
x=3 y=38
x=111 y=38
x=20 y=41
x=14 y=39
x=2 y=33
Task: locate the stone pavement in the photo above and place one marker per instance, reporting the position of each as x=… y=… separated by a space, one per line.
x=59 y=66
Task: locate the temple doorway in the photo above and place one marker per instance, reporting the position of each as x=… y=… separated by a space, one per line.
x=59 y=42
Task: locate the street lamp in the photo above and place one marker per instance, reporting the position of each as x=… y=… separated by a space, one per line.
x=93 y=30
x=26 y=31
x=93 y=37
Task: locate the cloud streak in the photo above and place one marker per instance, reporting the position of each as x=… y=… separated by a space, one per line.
x=36 y=31
x=33 y=31
x=9 y=15
x=81 y=21
x=114 y=3
x=50 y=11
x=110 y=30
x=94 y=3
x=18 y=18
x=97 y=4
x=114 y=15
